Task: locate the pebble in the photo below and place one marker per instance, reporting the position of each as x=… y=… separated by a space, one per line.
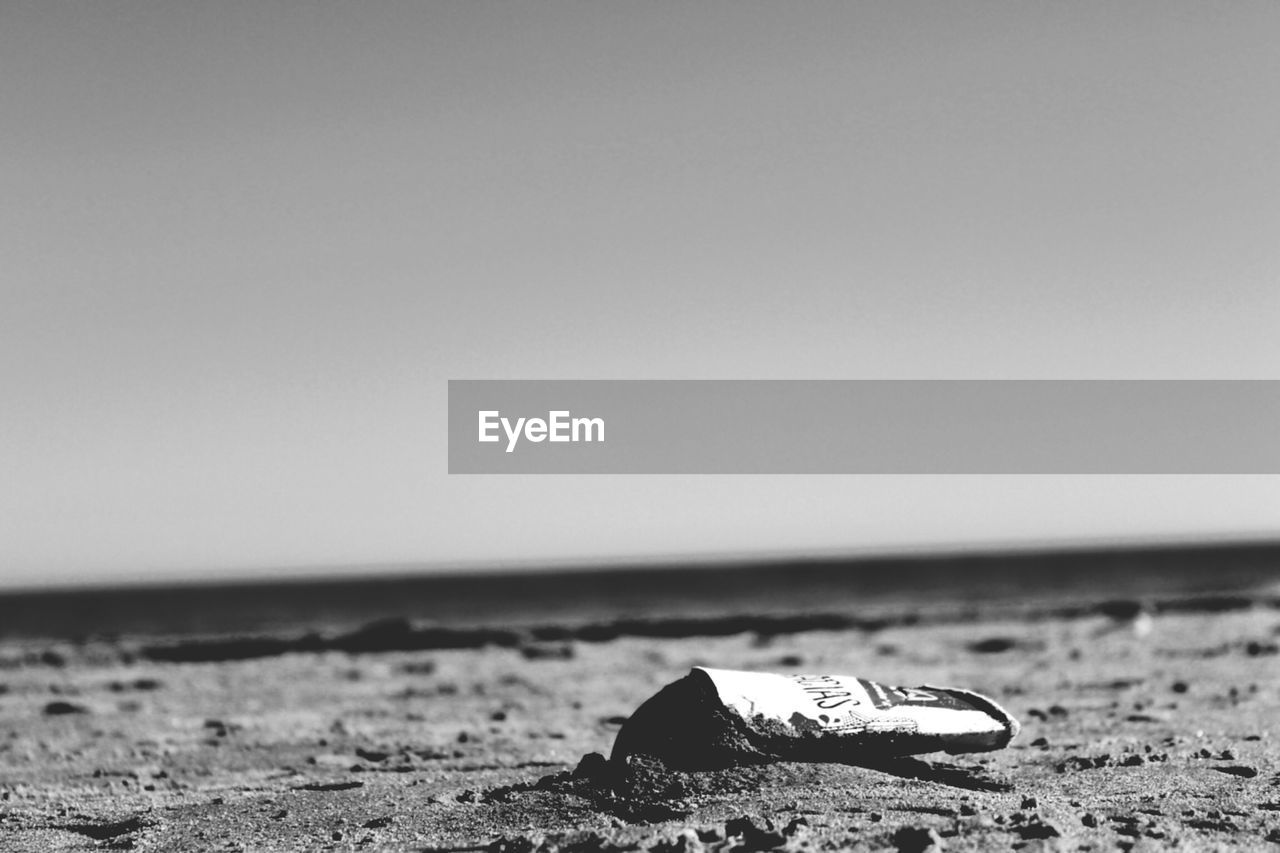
x=796 y=826
x=1037 y=827
x=54 y=709
x=1239 y=770
x=756 y=833
x=993 y=645
x=917 y=839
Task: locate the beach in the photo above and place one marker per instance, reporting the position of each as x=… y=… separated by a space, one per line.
x=1147 y=721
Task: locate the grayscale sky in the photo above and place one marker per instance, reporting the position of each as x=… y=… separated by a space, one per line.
x=243 y=245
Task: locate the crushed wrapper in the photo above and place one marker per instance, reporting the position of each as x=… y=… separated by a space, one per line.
x=719 y=717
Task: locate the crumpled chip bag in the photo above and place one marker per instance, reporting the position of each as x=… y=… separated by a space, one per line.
x=718 y=718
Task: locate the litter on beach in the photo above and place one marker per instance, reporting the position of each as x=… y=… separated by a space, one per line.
x=717 y=718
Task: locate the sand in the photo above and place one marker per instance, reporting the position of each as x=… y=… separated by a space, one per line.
x=1142 y=729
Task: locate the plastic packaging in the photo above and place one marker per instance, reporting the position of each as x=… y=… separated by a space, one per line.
x=716 y=718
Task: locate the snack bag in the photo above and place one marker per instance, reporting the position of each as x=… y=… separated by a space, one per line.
x=717 y=717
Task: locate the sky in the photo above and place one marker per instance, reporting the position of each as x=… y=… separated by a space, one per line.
x=244 y=245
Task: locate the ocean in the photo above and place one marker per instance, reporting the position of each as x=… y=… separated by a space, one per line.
x=550 y=603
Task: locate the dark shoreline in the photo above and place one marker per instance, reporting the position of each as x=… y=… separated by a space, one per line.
x=650 y=601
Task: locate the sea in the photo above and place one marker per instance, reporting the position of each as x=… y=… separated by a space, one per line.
x=675 y=598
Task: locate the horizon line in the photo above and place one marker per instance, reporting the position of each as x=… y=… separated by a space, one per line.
x=285 y=574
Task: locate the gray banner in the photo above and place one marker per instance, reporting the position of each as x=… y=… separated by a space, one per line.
x=864 y=427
